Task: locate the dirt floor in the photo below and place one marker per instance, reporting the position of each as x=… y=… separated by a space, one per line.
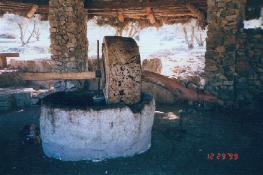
x=178 y=146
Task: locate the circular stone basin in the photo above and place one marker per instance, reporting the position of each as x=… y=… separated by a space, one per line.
x=74 y=128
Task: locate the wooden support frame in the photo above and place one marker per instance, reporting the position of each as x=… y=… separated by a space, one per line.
x=178 y=90
x=58 y=76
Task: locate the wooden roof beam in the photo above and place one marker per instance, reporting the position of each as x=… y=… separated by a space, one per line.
x=150 y=15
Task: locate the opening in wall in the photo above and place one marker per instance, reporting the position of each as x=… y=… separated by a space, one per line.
x=256 y=22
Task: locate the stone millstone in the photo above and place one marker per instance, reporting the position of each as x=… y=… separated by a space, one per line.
x=122 y=69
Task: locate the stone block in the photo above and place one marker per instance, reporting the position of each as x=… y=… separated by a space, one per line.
x=122 y=69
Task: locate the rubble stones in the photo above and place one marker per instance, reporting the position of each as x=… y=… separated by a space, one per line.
x=226 y=58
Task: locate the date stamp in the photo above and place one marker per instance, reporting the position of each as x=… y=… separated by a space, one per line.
x=223 y=156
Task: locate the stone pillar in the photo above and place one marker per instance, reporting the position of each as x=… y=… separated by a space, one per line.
x=123 y=70
x=225 y=23
x=68 y=34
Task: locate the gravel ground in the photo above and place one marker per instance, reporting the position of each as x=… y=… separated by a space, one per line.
x=182 y=138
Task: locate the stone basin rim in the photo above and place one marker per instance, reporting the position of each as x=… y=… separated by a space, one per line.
x=135 y=108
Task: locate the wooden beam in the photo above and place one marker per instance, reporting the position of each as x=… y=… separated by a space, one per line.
x=134 y=4
x=58 y=76
x=32 y=11
x=150 y=15
x=9 y=54
x=132 y=10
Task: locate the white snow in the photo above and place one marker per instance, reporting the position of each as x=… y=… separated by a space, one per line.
x=254 y=23
x=167 y=43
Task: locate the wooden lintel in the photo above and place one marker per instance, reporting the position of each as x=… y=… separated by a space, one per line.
x=58 y=76
x=150 y=15
x=32 y=11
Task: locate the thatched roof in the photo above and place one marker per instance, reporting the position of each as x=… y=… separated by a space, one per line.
x=120 y=12
x=153 y=12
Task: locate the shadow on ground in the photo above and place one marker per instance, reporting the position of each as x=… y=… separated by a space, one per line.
x=179 y=146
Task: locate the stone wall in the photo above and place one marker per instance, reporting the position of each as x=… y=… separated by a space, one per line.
x=249 y=85
x=68 y=34
x=225 y=19
x=234 y=55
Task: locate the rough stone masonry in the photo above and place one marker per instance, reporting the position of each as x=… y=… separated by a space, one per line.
x=224 y=20
x=234 y=66
x=68 y=34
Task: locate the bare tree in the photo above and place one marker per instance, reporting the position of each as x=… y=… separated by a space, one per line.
x=36 y=34
x=23 y=40
x=133 y=29
x=190 y=42
x=199 y=39
x=22 y=24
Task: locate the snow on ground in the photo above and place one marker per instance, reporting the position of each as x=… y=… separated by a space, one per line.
x=254 y=23
x=35 y=49
x=167 y=43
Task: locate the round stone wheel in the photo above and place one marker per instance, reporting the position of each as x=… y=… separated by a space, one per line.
x=122 y=70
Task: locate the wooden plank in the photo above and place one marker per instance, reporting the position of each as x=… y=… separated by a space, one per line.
x=58 y=76
x=9 y=54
